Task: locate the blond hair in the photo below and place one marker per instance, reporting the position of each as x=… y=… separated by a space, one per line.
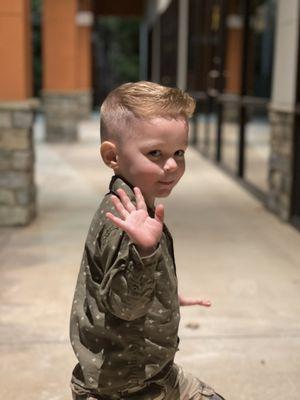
x=142 y=101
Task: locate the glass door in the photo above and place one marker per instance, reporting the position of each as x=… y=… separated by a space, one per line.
x=231 y=97
x=258 y=81
x=206 y=70
x=230 y=74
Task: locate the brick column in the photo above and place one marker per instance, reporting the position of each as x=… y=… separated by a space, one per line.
x=67 y=68
x=17 y=188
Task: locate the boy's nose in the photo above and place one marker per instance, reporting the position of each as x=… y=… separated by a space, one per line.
x=170 y=164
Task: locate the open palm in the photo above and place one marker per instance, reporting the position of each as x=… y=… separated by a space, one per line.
x=143 y=230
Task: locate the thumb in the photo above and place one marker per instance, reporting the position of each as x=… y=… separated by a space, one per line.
x=159 y=213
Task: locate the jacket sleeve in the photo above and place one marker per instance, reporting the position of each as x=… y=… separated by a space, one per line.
x=128 y=280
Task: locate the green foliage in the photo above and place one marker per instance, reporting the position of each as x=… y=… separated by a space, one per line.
x=119 y=58
x=121 y=38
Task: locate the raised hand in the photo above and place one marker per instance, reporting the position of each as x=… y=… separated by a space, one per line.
x=144 y=231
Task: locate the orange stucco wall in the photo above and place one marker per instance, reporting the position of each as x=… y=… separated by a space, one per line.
x=233 y=67
x=15 y=50
x=83 y=70
x=66 y=48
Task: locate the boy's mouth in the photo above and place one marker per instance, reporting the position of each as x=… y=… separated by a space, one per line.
x=166 y=183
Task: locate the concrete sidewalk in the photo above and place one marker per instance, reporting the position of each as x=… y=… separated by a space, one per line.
x=228 y=247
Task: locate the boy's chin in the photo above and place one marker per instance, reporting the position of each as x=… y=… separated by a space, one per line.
x=163 y=194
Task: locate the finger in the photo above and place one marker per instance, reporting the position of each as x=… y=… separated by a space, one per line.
x=126 y=200
x=119 y=207
x=205 y=303
x=159 y=213
x=140 y=201
x=197 y=302
x=117 y=221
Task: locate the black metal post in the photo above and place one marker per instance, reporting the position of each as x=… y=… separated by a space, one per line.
x=241 y=152
x=221 y=80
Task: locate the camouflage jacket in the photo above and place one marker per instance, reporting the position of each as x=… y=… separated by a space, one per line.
x=125 y=312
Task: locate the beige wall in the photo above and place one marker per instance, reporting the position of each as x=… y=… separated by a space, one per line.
x=285 y=56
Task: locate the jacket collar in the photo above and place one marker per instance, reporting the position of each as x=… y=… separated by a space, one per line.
x=118 y=182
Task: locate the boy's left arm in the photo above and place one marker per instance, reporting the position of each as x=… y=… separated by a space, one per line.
x=187 y=301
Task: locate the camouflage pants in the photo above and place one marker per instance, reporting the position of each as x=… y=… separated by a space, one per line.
x=176 y=385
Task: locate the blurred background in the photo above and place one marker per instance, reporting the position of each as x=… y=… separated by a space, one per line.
x=235 y=216
x=238 y=58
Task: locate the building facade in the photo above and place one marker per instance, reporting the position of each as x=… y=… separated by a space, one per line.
x=66 y=93
x=240 y=60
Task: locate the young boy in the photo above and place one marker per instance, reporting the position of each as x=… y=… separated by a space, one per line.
x=125 y=314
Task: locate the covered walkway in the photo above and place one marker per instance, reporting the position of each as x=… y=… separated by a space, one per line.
x=228 y=249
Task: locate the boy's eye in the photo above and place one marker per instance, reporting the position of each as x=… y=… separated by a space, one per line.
x=155 y=153
x=179 y=153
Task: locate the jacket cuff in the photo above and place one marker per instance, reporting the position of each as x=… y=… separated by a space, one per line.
x=150 y=261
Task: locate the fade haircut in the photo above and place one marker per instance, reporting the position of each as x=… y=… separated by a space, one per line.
x=141 y=101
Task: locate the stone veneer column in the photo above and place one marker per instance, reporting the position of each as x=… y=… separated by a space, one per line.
x=17 y=188
x=282 y=108
x=63 y=112
x=280 y=166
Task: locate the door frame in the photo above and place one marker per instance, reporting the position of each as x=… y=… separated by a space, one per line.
x=295 y=189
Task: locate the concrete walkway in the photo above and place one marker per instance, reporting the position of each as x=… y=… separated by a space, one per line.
x=228 y=247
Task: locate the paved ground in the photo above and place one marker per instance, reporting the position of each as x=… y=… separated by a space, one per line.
x=228 y=248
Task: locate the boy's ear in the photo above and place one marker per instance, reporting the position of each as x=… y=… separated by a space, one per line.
x=108 y=153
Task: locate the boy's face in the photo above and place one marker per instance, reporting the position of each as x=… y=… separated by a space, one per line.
x=152 y=157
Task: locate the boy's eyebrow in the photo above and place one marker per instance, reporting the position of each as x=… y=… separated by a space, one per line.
x=156 y=142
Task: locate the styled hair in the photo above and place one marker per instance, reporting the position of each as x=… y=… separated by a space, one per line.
x=141 y=101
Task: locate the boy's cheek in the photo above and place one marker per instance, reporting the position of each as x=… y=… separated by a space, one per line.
x=182 y=169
